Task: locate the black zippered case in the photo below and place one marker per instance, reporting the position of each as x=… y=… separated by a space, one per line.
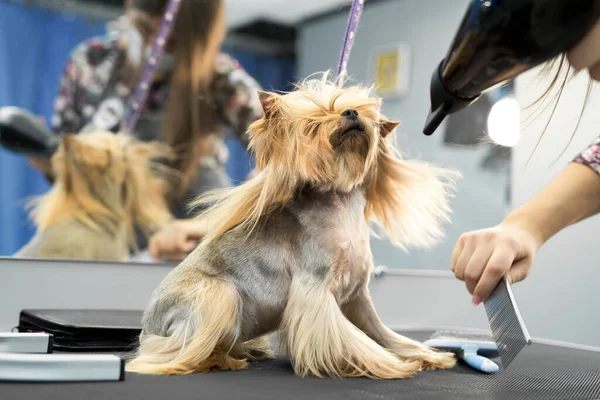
x=85 y=330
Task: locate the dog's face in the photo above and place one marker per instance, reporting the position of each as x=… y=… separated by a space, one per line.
x=95 y=156
x=326 y=135
x=113 y=175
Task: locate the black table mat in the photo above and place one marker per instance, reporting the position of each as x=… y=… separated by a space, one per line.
x=539 y=372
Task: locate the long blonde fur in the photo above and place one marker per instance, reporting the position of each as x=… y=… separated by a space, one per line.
x=408 y=199
x=320 y=340
x=201 y=343
x=334 y=165
x=104 y=181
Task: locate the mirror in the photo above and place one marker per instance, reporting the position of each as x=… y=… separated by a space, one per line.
x=396 y=47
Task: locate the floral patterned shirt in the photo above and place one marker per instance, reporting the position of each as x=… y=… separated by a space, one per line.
x=94 y=96
x=590 y=156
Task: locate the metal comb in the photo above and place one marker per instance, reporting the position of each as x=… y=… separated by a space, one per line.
x=508 y=328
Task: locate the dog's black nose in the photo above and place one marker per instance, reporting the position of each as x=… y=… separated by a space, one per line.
x=350 y=113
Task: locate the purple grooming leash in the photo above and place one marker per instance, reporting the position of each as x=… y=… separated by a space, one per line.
x=353 y=20
x=141 y=91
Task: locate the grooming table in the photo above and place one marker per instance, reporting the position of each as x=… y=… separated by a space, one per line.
x=541 y=371
x=544 y=370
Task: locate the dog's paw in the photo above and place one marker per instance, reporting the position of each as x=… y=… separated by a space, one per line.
x=255 y=349
x=222 y=362
x=231 y=364
x=260 y=354
x=438 y=360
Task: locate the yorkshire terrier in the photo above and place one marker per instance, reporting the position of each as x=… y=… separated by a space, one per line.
x=289 y=249
x=105 y=188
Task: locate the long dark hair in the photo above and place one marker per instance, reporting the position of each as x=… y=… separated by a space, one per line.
x=562 y=72
x=191 y=121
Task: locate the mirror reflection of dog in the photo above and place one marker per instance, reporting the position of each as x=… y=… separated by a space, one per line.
x=105 y=186
x=289 y=250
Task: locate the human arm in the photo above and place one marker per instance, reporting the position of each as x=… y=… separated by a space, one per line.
x=237 y=95
x=481 y=258
x=177 y=240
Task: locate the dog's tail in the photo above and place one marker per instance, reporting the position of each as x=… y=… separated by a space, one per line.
x=198 y=343
x=320 y=340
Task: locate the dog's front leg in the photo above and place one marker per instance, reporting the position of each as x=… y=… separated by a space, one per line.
x=361 y=312
x=320 y=340
x=256 y=349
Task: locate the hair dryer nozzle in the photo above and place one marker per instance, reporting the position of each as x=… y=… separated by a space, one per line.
x=442 y=103
x=498 y=40
x=21 y=132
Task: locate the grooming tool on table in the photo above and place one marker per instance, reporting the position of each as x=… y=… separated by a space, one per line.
x=26 y=342
x=473 y=348
x=61 y=367
x=508 y=328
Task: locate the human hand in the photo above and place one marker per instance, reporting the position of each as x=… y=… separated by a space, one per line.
x=481 y=258
x=176 y=241
x=586 y=54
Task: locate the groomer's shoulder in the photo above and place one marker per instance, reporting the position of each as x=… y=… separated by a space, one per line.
x=93 y=51
x=230 y=73
x=590 y=156
x=236 y=94
x=227 y=65
x=85 y=71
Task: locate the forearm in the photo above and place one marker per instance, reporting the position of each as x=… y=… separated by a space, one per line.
x=572 y=196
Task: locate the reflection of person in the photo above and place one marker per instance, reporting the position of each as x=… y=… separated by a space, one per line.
x=196 y=94
x=481 y=258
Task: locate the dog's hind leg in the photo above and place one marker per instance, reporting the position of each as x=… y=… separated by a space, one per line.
x=320 y=340
x=361 y=312
x=201 y=341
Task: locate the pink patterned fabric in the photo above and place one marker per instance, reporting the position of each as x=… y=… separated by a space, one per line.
x=87 y=77
x=590 y=156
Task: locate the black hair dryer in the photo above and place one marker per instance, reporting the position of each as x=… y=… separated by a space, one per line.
x=500 y=39
x=21 y=132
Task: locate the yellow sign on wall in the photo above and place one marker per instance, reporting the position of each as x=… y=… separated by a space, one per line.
x=387 y=72
x=390 y=70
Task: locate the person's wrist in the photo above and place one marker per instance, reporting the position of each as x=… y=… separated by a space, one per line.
x=526 y=226
x=192 y=226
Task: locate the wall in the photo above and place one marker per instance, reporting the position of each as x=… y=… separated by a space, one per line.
x=558 y=299
x=561 y=295
x=85 y=285
x=427 y=26
x=29 y=72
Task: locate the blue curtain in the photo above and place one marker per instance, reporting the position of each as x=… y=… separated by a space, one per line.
x=34 y=46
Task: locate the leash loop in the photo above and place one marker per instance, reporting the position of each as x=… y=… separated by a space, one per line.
x=352 y=27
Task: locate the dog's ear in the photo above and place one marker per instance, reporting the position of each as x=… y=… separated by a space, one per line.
x=268 y=101
x=387 y=126
x=410 y=200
